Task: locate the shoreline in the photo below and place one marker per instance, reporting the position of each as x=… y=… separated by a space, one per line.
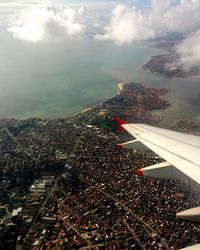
x=156 y=64
x=76 y=163
x=120 y=85
x=127 y=104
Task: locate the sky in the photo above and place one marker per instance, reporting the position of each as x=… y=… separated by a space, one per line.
x=122 y=22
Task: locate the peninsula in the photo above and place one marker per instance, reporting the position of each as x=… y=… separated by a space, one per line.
x=168 y=64
x=65 y=184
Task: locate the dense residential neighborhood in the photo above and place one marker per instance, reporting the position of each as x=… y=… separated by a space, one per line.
x=66 y=184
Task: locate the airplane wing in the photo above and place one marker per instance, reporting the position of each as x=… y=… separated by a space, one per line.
x=180 y=151
x=195 y=247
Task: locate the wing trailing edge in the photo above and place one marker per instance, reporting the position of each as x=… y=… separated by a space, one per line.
x=162 y=170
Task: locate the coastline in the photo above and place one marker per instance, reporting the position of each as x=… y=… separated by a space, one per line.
x=76 y=161
x=163 y=64
x=123 y=90
x=126 y=91
x=121 y=86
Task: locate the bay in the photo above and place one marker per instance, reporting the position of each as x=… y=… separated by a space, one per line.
x=59 y=79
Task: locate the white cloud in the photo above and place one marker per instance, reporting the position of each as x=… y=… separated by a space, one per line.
x=126 y=25
x=189 y=50
x=129 y=24
x=43 y=23
x=183 y=17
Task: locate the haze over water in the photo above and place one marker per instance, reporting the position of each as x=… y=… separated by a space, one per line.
x=59 y=79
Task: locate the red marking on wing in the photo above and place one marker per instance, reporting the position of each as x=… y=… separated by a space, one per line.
x=120 y=146
x=140 y=172
x=120 y=123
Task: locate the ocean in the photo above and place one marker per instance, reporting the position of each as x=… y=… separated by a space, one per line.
x=62 y=78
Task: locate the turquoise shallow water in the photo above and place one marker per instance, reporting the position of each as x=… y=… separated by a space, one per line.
x=57 y=79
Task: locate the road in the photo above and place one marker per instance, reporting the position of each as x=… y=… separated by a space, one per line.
x=19 y=145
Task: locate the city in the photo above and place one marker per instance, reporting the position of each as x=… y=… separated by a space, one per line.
x=67 y=184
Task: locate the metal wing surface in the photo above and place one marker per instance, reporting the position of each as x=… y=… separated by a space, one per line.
x=181 y=151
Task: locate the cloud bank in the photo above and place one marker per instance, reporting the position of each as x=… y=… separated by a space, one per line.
x=129 y=24
x=125 y=25
x=189 y=51
x=47 y=23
